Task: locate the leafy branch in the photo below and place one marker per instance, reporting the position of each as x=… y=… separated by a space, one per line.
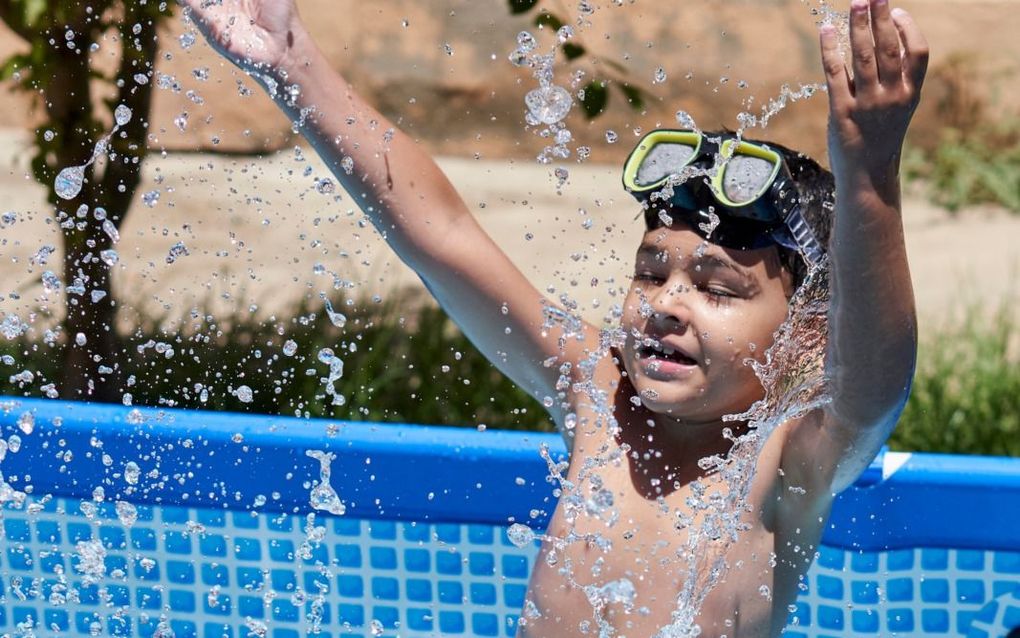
x=594 y=96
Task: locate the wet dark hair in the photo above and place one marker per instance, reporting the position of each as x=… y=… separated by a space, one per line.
x=817 y=189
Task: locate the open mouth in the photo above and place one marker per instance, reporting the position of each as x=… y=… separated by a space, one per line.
x=659 y=352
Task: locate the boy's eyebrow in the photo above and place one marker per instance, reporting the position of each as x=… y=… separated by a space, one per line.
x=708 y=259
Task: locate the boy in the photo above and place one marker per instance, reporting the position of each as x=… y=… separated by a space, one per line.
x=695 y=312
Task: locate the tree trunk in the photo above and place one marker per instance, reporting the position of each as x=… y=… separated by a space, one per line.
x=90 y=369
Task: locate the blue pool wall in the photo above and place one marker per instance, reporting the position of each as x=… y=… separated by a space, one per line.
x=922 y=544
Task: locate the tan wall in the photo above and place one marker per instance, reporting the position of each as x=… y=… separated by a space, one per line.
x=470 y=102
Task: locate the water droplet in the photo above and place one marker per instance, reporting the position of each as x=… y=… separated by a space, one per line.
x=548 y=104
x=163 y=630
x=525 y=41
x=338 y=319
x=177 y=251
x=127 y=513
x=109 y=257
x=181 y=121
x=611 y=137
x=26 y=422
x=684 y=119
x=289 y=347
x=131 y=473
x=91 y=561
x=111 y=230
x=49 y=135
x=122 y=115
x=518 y=58
x=69 y=181
x=375 y=627
x=141 y=78
x=323 y=496
x=151 y=198
x=187 y=40
x=51 y=283
x=325 y=186
x=244 y=394
x=520 y=535
x=660 y=75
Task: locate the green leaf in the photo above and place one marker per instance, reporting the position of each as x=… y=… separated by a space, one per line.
x=635 y=96
x=573 y=51
x=546 y=19
x=15 y=62
x=521 y=6
x=32 y=11
x=596 y=96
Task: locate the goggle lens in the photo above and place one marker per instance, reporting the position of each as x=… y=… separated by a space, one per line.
x=663 y=160
x=745 y=178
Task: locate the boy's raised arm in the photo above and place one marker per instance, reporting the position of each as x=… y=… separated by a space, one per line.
x=872 y=322
x=396 y=183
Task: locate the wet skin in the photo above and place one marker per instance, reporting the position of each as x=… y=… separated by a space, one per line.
x=712 y=304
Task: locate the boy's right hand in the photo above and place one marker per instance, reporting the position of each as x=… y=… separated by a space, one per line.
x=256 y=35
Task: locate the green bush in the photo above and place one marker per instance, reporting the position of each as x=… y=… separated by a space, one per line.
x=404 y=361
x=966 y=393
x=977 y=166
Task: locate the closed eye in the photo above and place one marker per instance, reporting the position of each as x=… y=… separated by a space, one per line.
x=648 y=276
x=717 y=293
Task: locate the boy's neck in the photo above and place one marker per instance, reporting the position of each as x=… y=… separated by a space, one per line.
x=664 y=450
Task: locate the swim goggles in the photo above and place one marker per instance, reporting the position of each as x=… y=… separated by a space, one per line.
x=747 y=185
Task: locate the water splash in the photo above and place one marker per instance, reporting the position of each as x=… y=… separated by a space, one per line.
x=323 y=496
x=69 y=180
x=794 y=381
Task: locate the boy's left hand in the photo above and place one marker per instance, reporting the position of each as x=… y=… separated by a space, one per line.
x=869 y=112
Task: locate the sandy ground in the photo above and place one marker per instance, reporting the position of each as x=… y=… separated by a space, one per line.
x=260 y=236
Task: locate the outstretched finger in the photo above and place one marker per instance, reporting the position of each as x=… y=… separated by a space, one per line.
x=887 y=44
x=863 y=46
x=915 y=47
x=211 y=20
x=832 y=63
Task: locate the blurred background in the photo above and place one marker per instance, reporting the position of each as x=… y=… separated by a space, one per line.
x=228 y=236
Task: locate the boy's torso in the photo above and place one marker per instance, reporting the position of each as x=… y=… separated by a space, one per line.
x=647 y=548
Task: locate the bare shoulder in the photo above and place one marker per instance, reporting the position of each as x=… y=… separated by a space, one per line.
x=806 y=474
x=597 y=383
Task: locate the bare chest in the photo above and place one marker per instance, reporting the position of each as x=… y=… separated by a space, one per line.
x=626 y=554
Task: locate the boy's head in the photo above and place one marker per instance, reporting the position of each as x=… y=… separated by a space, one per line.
x=697 y=310
x=816 y=191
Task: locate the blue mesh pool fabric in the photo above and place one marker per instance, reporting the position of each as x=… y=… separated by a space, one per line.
x=215 y=574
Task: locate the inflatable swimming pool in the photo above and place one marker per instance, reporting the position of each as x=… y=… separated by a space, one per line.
x=137 y=522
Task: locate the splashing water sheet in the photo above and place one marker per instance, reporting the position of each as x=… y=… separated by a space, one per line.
x=711 y=521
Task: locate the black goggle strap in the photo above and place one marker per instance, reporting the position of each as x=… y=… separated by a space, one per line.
x=804 y=237
x=787 y=198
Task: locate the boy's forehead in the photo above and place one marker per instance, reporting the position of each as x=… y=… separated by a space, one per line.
x=683 y=248
x=700 y=252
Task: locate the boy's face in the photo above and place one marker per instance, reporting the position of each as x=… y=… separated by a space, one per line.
x=705 y=312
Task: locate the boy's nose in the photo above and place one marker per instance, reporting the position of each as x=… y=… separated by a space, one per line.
x=670 y=305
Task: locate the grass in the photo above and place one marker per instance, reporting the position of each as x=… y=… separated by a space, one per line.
x=405 y=361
